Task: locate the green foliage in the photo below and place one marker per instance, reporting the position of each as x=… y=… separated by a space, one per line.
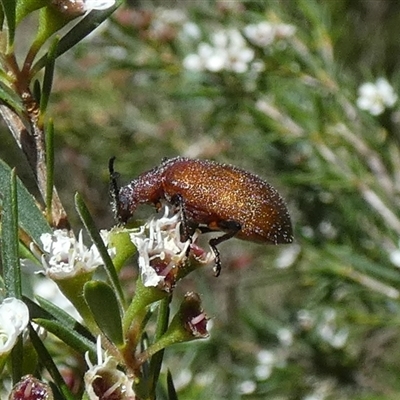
x=315 y=320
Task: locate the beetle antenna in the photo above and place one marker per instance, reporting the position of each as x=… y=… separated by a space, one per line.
x=114 y=189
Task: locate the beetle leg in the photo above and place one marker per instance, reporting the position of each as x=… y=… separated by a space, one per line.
x=186 y=231
x=232 y=228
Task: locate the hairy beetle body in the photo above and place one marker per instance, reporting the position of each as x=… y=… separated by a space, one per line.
x=215 y=196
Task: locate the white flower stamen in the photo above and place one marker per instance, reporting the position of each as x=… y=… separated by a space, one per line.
x=65 y=256
x=113 y=380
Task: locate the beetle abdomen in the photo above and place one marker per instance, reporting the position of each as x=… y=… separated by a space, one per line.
x=214 y=193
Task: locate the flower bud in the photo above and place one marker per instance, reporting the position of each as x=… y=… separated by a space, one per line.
x=30 y=388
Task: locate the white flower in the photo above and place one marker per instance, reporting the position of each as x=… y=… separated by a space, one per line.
x=228 y=51
x=170 y=16
x=285 y=336
x=159 y=239
x=247 y=387
x=75 y=8
x=263 y=372
x=190 y=30
x=375 y=97
x=98 y=4
x=104 y=380
x=261 y=34
x=395 y=257
x=14 y=317
x=266 y=362
x=161 y=251
x=283 y=31
x=266 y=357
x=265 y=33
x=287 y=256
x=65 y=257
x=329 y=332
x=8 y=335
x=306 y=319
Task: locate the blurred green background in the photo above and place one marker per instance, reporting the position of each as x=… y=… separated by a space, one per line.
x=315 y=320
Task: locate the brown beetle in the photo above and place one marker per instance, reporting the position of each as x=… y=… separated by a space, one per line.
x=212 y=197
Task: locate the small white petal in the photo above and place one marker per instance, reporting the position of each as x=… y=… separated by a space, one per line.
x=8 y=335
x=266 y=357
x=192 y=62
x=16 y=312
x=247 y=387
x=98 y=4
x=191 y=30
x=395 y=257
x=374 y=98
x=263 y=372
x=216 y=62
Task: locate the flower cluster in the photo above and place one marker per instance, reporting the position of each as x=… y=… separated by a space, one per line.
x=14 y=317
x=65 y=256
x=265 y=33
x=162 y=254
x=325 y=326
x=75 y=8
x=376 y=97
x=228 y=51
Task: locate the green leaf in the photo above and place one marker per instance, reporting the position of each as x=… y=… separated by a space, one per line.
x=98 y=241
x=77 y=33
x=171 y=388
x=9 y=11
x=11 y=99
x=30 y=218
x=157 y=359
x=49 y=364
x=49 y=166
x=70 y=337
x=9 y=238
x=25 y=7
x=48 y=76
x=101 y=300
x=48 y=310
x=63 y=325
x=17 y=357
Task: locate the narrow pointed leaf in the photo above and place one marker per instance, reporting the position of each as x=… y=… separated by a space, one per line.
x=78 y=32
x=30 y=218
x=157 y=359
x=171 y=388
x=70 y=337
x=9 y=239
x=102 y=302
x=50 y=167
x=98 y=241
x=49 y=364
x=9 y=11
x=48 y=75
x=48 y=310
x=10 y=98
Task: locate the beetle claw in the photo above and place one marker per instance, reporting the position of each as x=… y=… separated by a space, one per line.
x=217 y=266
